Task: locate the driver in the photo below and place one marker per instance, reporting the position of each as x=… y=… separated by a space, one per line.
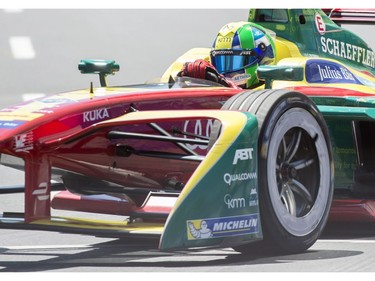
x=237 y=51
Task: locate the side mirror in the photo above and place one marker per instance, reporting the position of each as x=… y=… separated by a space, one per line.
x=101 y=67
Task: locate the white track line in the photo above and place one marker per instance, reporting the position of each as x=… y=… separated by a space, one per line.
x=21 y=47
x=41 y=247
x=347 y=241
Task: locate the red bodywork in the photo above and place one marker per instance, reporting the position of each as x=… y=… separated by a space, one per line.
x=352 y=210
x=96 y=155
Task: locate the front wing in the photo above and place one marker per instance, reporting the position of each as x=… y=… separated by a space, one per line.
x=218 y=206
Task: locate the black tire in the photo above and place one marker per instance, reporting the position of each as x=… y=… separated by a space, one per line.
x=295 y=169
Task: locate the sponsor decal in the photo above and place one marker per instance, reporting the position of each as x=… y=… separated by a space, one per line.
x=95 y=115
x=234 y=203
x=243 y=154
x=23 y=142
x=41 y=193
x=222 y=227
x=44 y=111
x=55 y=100
x=319 y=23
x=10 y=124
x=223 y=39
x=230 y=178
x=240 y=202
x=240 y=78
x=253 y=201
x=198 y=127
x=321 y=71
x=348 y=51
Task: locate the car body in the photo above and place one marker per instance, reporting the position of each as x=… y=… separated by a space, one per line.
x=201 y=165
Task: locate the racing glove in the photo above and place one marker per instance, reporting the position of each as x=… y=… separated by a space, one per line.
x=202 y=69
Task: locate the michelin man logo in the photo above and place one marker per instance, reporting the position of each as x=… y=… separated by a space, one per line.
x=200 y=233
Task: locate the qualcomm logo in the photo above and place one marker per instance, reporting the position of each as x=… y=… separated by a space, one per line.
x=230 y=178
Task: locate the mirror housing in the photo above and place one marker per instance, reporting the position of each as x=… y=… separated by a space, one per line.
x=101 y=67
x=269 y=73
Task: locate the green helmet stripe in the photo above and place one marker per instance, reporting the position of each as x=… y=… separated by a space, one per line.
x=244 y=34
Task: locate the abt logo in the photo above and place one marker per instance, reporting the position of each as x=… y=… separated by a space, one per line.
x=243 y=154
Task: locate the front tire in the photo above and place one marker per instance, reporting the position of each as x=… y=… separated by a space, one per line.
x=295 y=169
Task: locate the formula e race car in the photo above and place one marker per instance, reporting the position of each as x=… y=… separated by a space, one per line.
x=200 y=165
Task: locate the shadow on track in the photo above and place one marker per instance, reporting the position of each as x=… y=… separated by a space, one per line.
x=352 y=230
x=142 y=255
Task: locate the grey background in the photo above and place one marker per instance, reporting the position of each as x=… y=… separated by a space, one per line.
x=143 y=41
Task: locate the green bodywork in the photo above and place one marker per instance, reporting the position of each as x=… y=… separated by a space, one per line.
x=341 y=115
x=227 y=215
x=300 y=27
x=336 y=52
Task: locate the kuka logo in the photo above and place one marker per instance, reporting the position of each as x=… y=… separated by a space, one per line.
x=94 y=115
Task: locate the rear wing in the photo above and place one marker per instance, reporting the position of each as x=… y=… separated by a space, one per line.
x=351 y=16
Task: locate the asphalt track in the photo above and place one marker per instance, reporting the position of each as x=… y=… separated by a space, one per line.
x=39 y=54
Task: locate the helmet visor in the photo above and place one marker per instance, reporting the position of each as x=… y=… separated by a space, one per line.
x=226 y=61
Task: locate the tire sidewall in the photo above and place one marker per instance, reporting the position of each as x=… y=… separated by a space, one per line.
x=272 y=212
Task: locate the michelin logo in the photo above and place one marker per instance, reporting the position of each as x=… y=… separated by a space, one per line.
x=223 y=227
x=200 y=233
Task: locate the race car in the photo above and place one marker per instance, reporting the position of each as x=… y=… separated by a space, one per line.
x=200 y=165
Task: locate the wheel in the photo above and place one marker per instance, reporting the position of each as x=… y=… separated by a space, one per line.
x=295 y=169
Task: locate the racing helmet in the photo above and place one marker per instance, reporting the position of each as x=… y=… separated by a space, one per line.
x=238 y=49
